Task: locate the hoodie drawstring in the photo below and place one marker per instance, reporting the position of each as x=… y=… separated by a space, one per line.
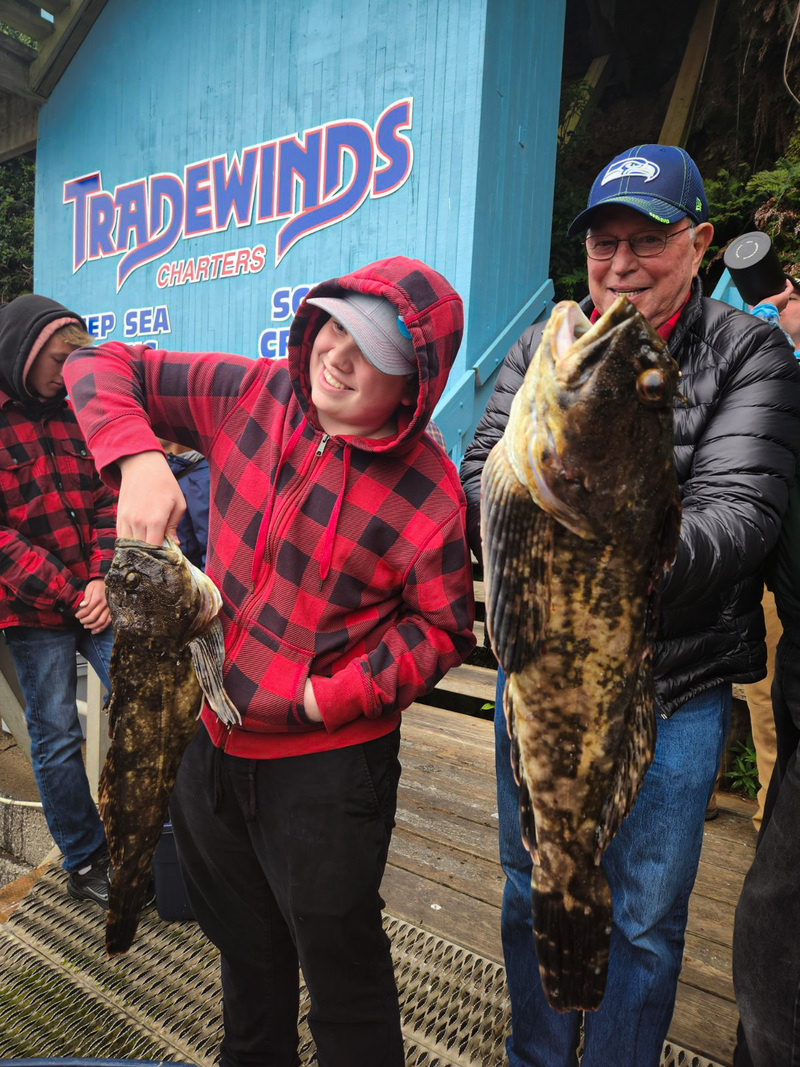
x=330 y=532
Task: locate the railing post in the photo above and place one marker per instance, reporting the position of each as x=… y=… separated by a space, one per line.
x=97 y=741
x=12 y=702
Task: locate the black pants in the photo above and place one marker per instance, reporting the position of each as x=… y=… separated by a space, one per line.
x=283 y=861
x=766 y=933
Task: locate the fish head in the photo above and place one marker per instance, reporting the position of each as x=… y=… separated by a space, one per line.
x=155 y=593
x=600 y=419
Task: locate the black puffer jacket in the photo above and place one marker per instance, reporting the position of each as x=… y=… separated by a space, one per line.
x=736 y=440
x=783 y=570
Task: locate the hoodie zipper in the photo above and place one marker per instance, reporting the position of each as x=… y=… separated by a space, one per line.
x=287 y=503
x=276 y=519
x=253 y=597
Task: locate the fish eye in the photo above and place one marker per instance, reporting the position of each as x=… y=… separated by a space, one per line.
x=132 y=579
x=652 y=386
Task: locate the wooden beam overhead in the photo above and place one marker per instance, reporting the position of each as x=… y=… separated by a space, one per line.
x=55 y=54
x=595 y=82
x=55 y=7
x=15 y=64
x=677 y=123
x=26 y=17
x=18 y=125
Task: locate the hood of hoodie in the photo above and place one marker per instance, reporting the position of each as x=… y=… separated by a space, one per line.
x=21 y=324
x=434 y=315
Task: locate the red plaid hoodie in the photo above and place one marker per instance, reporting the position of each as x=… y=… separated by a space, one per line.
x=340 y=557
x=57 y=519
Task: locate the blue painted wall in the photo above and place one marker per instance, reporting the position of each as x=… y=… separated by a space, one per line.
x=156 y=87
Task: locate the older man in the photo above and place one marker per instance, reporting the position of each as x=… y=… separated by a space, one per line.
x=647 y=230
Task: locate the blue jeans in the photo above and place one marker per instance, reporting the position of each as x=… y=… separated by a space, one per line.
x=47 y=673
x=651 y=866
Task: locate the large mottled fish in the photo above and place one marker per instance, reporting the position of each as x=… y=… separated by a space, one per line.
x=168 y=651
x=580 y=519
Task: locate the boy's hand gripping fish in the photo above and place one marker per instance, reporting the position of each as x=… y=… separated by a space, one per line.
x=580 y=519
x=168 y=652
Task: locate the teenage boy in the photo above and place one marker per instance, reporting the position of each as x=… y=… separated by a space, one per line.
x=337 y=539
x=57 y=523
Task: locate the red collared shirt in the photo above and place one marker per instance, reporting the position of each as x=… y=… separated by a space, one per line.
x=664 y=331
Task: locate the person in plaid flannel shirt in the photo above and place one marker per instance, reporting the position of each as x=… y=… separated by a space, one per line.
x=337 y=539
x=57 y=522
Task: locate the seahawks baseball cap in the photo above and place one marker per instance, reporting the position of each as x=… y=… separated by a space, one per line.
x=660 y=181
x=376 y=328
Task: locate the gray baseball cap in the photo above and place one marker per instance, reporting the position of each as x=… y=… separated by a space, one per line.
x=375 y=325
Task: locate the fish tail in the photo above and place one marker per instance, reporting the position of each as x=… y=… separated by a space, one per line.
x=572 y=945
x=125 y=902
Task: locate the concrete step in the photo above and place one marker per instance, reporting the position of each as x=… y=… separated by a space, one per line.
x=23 y=833
x=10 y=869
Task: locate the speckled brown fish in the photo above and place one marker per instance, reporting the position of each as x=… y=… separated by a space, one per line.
x=168 y=651
x=580 y=518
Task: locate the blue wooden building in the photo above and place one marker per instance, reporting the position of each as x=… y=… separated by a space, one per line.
x=200 y=165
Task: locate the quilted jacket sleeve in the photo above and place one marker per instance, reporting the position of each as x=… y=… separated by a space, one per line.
x=743 y=464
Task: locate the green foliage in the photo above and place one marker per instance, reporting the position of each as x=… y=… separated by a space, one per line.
x=567 y=259
x=767 y=200
x=16 y=227
x=743 y=775
x=18 y=35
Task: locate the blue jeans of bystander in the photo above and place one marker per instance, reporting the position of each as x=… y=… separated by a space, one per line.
x=47 y=672
x=651 y=866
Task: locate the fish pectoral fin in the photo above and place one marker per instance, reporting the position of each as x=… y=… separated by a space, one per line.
x=208 y=657
x=635 y=755
x=518 y=555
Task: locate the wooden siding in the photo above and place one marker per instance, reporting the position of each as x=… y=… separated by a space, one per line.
x=157 y=86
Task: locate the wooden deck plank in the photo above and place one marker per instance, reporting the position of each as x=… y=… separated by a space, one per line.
x=474 y=876
x=455 y=916
x=470 y=681
x=704 y=1023
x=707 y=964
x=443 y=873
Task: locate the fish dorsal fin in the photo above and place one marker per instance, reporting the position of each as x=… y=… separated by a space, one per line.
x=518 y=556
x=208 y=656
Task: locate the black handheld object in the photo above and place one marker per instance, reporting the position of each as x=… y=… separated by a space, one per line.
x=754 y=267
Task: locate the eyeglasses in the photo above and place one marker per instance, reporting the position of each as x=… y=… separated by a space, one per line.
x=648 y=243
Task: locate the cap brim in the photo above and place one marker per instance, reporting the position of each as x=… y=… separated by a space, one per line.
x=652 y=207
x=373 y=344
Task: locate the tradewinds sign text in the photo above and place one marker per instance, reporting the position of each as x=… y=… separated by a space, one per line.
x=313 y=179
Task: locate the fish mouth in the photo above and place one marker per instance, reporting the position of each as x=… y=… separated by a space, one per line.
x=580 y=345
x=578 y=348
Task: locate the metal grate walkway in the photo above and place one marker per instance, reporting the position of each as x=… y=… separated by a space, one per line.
x=61 y=996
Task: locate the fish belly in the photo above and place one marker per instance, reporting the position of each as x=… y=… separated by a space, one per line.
x=153 y=705
x=569 y=712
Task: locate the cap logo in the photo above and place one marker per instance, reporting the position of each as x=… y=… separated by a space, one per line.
x=632 y=167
